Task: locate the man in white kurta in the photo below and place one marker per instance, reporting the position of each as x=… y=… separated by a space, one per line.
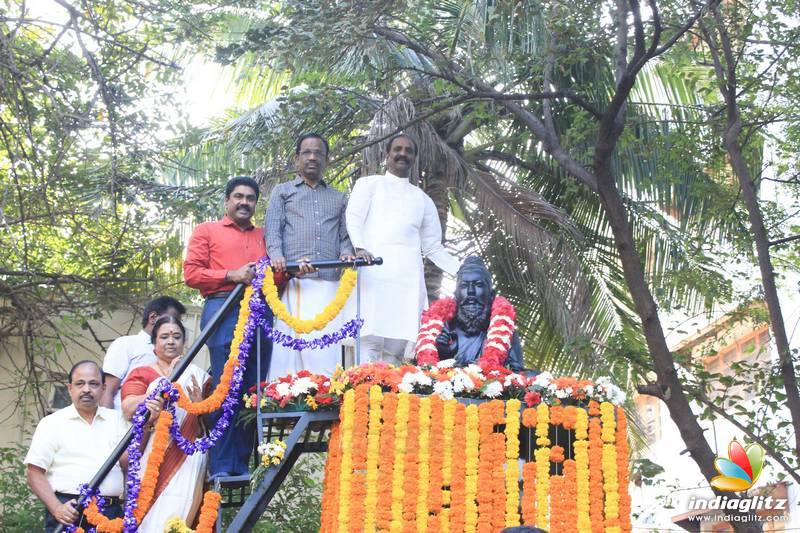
x=389 y=217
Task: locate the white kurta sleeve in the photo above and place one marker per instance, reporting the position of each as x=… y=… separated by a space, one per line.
x=431 y=240
x=356 y=213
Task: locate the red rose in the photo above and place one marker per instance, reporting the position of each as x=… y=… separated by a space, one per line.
x=533 y=398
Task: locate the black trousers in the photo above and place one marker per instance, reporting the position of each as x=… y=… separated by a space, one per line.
x=113 y=509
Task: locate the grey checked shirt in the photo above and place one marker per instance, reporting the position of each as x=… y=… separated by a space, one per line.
x=307 y=222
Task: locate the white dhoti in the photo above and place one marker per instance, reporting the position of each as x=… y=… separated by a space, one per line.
x=305 y=298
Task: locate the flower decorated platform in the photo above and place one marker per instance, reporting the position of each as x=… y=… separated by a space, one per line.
x=437 y=448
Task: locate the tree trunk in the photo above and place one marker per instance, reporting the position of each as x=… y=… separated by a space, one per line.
x=671 y=390
x=767 y=274
x=435 y=186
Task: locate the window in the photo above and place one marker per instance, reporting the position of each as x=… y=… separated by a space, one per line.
x=754 y=347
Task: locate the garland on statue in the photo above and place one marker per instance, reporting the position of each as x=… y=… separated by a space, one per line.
x=498 y=337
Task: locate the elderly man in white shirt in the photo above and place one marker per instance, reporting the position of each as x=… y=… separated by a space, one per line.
x=69 y=447
x=389 y=217
x=132 y=351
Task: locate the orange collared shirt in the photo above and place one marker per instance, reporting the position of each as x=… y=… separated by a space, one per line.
x=217 y=247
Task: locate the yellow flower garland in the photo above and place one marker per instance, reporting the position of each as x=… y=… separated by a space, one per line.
x=471 y=482
x=542 y=456
x=447 y=462
x=401 y=422
x=373 y=448
x=609 y=462
x=346 y=469
x=581 y=448
x=512 y=462
x=424 y=471
x=298 y=325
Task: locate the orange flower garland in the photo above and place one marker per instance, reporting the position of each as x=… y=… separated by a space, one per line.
x=147 y=489
x=330 y=492
x=529 y=492
x=386 y=461
x=556 y=503
x=208 y=512
x=569 y=498
x=358 y=481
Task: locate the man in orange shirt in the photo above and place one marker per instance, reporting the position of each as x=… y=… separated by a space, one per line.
x=220 y=255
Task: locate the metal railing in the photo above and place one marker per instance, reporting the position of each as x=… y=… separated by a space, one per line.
x=234 y=296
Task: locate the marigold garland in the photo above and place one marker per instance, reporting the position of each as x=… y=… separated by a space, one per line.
x=498 y=336
x=206 y=520
x=529 y=492
x=595 y=474
x=411 y=469
x=331 y=311
x=329 y=515
x=347 y=417
x=439 y=448
x=512 y=462
x=401 y=434
x=410 y=441
x=214 y=401
x=471 y=471
x=373 y=455
x=386 y=461
x=462 y=466
x=358 y=482
x=581 y=448
x=569 y=498
x=424 y=465
x=622 y=471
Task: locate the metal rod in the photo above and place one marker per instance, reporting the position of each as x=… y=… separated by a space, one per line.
x=292 y=266
x=101 y=474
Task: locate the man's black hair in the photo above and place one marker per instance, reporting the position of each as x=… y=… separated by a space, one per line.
x=166 y=319
x=241 y=180
x=305 y=136
x=393 y=138
x=160 y=306
x=87 y=362
x=523 y=529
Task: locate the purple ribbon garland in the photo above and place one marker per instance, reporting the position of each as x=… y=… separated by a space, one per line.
x=349 y=329
x=87 y=494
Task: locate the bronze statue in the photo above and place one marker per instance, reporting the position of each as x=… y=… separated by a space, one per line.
x=464 y=336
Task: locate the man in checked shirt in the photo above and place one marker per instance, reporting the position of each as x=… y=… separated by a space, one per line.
x=305 y=222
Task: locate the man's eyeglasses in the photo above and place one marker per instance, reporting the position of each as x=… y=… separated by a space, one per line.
x=309 y=153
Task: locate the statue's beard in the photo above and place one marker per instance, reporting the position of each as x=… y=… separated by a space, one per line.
x=472 y=317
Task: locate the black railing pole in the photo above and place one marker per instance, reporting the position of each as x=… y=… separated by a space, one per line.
x=101 y=474
x=291 y=266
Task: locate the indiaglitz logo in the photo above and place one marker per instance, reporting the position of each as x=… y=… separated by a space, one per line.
x=741 y=470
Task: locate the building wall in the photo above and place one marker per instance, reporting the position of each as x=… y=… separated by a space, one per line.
x=657 y=506
x=19 y=409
